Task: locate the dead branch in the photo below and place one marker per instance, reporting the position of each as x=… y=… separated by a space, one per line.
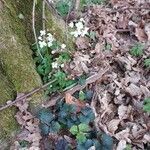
x=90 y=80
x=26 y=95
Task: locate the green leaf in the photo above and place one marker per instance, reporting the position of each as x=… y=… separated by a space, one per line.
x=83 y=127
x=74 y=130
x=137 y=50
x=24 y=143
x=44 y=128
x=146 y=106
x=82 y=95
x=45 y=116
x=92 y=35
x=62 y=7
x=128 y=147
x=107 y=141
x=81 y=137
x=147 y=62
x=55 y=127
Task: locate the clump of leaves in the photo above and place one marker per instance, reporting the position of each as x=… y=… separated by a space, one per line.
x=82 y=95
x=68 y=115
x=63 y=7
x=107 y=142
x=147 y=62
x=96 y=139
x=137 y=50
x=50 y=67
x=24 y=143
x=146 y=106
x=48 y=123
x=80 y=131
x=89 y=143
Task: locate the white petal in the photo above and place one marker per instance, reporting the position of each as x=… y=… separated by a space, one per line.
x=71 y=24
x=54 y=65
x=40 y=38
x=63 y=46
x=79 y=25
x=62 y=65
x=42 y=44
x=81 y=19
x=49 y=44
x=42 y=32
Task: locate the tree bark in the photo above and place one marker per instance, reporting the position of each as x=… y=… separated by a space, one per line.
x=17 y=69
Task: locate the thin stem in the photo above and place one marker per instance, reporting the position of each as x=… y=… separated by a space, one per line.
x=33 y=26
x=43 y=15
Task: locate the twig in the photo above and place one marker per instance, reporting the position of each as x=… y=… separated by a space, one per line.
x=33 y=26
x=78 y=87
x=77 y=5
x=128 y=8
x=89 y=80
x=26 y=95
x=43 y=15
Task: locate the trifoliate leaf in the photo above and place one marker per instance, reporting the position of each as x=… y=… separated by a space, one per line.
x=83 y=127
x=74 y=130
x=81 y=137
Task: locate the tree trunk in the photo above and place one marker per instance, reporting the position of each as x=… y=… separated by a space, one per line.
x=17 y=69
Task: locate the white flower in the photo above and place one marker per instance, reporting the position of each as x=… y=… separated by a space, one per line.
x=40 y=38
x=63 y=46
x=62 y=65
x=81 y=19
x=85 y=31
x=79 y=25
x=42 y=32
x=53 y=52
x=49 y=44
x=71 y=24
x=49 y=35
x=76 y=33
x=42 y=44
x=50 y=38
x=54 y=65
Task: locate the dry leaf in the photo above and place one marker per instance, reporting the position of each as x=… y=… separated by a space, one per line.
x=134 y=90
x=122 y=112
x=121 y=145
x=147 y=30
x=113 y=125
x=140 y=34
x=72 y=100
x=82 y=43
x=123 y=135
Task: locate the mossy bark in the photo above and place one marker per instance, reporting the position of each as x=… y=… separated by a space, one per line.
x=18 y=73
x=8 y=124
x=17 y=69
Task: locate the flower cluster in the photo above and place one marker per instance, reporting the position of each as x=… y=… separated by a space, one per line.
x=81 y=29
x=45 y=39
x=56 y=65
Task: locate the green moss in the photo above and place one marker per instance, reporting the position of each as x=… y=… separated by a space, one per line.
x=57 y=27
x=15 y=53
x=8 y=124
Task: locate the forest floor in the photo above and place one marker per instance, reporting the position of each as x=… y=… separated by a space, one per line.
x=113 y=65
